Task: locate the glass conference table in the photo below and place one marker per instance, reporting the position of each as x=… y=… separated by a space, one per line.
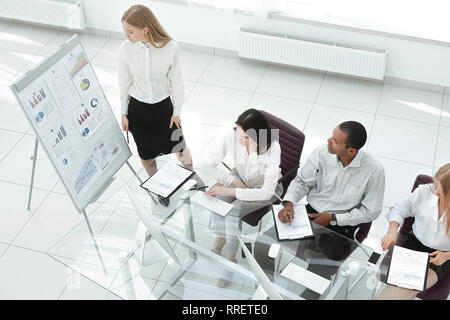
x=124 y=257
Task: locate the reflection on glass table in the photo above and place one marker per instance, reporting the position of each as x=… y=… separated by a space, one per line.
x=132 y=261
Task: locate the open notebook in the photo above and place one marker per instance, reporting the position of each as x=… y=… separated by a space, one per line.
x=298 y=229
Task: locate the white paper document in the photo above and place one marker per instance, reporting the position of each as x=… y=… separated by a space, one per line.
x=299 y=228
x=167 y=179
x=408 y=268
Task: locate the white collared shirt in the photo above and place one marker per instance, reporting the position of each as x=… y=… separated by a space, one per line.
x=150 y=74
x=428 y=228
x=354 y=193
x=260 y=173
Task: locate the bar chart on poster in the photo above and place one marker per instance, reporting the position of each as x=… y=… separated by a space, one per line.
x=65 y=104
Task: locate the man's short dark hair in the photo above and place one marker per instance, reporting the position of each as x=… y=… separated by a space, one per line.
x=356 y=134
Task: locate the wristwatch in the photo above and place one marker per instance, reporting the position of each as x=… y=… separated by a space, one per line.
x=333 y=221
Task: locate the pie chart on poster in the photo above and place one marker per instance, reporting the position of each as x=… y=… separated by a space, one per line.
x=85 y=132
x=84 y=84
x=94 y=102
x=39 y=117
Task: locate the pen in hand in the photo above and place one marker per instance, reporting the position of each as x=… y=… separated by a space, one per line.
x=281 y=200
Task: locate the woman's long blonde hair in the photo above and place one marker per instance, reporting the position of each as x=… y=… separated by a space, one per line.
x=140 y=16
x=442 y=183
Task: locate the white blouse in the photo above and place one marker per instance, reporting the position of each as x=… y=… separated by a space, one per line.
x=428 y=228
x=150 y=74
x=260 y=173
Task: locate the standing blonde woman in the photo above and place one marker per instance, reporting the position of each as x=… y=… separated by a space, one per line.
x=151 y=88
x=430 y=206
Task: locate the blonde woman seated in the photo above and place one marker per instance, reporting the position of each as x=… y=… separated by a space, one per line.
x=253 y=182
x=430 y=206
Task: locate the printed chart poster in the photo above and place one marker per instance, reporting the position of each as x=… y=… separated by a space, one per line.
x=85 y=176
x=103 y=154
x=86 y=121
x=81 y=72
x=61 y=145
x=97 y=104
x=99 y=159
x=38 y=102
x=63 y=89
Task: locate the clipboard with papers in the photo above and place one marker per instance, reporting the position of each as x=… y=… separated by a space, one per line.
x=167 y=180
x=408 y=269
x=299 y=228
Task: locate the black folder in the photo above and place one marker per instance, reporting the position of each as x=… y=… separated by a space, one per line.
x=165 y=190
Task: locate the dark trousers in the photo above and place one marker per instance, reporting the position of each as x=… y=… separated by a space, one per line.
x=347 y=231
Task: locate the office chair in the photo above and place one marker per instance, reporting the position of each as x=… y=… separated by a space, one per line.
x=291 y=142
x=363 y=231
x=441 y=289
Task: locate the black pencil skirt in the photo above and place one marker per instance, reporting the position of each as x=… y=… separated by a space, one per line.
x=149 y=125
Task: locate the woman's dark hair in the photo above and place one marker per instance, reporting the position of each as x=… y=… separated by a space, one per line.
x=255 y=125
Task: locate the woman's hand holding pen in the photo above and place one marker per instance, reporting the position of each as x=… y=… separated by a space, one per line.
x=125 y=122
x=175 y=120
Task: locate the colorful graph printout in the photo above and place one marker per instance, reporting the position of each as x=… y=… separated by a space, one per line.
x=81 y=72
x=79 y=62
x=63 y=89
x=39 y=102
x=57 y=138
x=87 y=172
x=86 y=121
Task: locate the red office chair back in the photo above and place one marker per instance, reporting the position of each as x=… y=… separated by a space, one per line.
x=441 y=289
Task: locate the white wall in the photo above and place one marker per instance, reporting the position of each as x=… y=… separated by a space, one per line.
x=408 y=59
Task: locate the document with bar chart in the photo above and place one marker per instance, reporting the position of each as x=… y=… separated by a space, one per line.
x=38 y=102
x=70 y=115
x=61 y=145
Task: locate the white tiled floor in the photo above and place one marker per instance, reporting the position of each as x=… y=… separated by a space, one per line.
x=27 y=274
x=409 y=132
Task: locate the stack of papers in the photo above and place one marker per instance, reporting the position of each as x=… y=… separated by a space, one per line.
x=299 y=228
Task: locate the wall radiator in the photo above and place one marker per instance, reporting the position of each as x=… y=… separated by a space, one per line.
x=317 y=55
x=63 y=13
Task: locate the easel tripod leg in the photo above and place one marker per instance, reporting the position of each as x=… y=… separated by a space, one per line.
x=93 y=239
x=36 y=142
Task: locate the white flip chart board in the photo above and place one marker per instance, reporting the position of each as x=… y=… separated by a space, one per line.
x=70 y=115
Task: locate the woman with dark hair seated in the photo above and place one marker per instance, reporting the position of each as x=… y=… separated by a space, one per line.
x=252 y=183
